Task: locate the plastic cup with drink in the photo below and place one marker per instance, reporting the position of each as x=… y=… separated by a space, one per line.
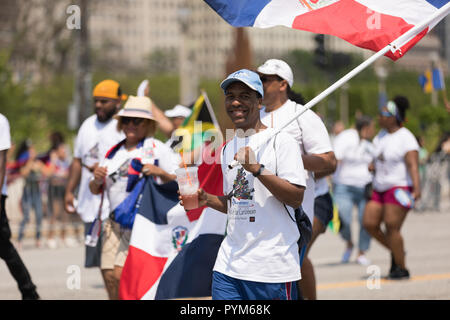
x=188 y=185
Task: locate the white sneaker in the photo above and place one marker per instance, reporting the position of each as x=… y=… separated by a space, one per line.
x=362 y=260
x=70 y=242
x=52 y=244
x=346 y=256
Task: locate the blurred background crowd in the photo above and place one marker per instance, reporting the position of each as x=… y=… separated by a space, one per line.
x=52 y=52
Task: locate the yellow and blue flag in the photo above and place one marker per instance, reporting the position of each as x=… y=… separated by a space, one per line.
x=432 y=80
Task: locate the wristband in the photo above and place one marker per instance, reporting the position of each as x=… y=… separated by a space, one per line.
x=260 y=170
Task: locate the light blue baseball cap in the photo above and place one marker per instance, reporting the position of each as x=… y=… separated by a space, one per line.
x=249 y=78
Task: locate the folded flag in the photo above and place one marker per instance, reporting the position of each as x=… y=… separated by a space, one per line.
x=172 y=252
x=367 y=24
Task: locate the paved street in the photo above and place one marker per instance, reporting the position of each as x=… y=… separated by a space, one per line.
x=426 y=238
x=59 y=273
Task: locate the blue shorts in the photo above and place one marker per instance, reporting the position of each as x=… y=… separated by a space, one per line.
x=228 y=288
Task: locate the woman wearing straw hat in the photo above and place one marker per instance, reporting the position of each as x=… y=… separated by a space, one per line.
x=118 y=171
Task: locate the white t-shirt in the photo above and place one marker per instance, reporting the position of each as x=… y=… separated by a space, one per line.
x=93 y=141
x=390 y=166
x=5 y=143
x=354 y=156
x=321 y=187
x=310 y=133
x=261 y=240
x=152 y=152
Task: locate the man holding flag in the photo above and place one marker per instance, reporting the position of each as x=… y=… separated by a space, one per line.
x=389 y=27
x=258 y=258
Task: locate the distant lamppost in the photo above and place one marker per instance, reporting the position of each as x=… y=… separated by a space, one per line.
x=344 y=104
x=381 y=74
x=83 y=73
x=187 y=70
x=434 y=57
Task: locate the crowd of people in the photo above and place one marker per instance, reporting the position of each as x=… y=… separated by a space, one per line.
x=42 y=179
x=295 y=178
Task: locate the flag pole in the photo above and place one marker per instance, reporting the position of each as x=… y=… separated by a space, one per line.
x=393 y=46
x=210 y=109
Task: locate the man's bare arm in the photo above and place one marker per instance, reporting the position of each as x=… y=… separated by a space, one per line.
x=73 y=181
x=325 y=163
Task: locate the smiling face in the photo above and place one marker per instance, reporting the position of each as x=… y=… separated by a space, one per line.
x=242 y=105
x=136 y=129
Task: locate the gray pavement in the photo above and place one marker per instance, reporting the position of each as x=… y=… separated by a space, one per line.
x=59 y=273
x=426 y=238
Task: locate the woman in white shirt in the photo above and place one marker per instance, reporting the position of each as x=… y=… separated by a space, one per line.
x=116 y=174
x=396 y=183
x=354 y=153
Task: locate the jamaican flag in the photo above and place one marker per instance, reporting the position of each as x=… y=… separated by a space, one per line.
x=198 y=128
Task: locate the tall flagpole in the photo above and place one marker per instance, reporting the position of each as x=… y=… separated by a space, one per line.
x=394 y=46
x=210 y=109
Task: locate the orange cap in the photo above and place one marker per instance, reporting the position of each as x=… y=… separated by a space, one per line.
x=108 y=89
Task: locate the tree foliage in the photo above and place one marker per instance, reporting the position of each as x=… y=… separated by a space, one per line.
x=36 y=110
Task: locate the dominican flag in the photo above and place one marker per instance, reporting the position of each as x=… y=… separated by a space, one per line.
x=369 y=24
x=172 y=252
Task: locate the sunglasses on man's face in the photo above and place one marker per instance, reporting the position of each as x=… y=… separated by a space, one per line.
x=270 y=78
x=135 y=121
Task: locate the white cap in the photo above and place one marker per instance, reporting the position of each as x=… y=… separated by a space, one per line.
x=178 y=111
x=279 y=68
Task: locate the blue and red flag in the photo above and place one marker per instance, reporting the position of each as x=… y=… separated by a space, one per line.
x=172 y=252
x=369 y=24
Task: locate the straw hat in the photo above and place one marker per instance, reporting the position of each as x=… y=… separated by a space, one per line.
x=137 y=107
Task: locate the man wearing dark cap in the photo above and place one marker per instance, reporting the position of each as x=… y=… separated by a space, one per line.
x=258 y=259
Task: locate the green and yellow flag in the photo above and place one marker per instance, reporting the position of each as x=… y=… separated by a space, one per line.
x=199 y=127
x=335 y=223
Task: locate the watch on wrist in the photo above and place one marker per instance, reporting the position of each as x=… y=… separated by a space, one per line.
x=260 y=170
